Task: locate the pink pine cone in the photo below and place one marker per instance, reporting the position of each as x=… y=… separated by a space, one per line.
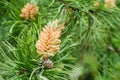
x=109 y=3
x=48 y=43
x=29 y=11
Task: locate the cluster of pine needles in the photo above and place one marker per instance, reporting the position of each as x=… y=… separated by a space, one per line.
x=59 y=39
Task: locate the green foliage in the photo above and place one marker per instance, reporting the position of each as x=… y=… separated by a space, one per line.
x=88 y=33
x=25 y=62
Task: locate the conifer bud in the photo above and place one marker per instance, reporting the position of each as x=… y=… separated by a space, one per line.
x=47 y=63
x=29 y=11
x=96 y=4
x=48 y=43
x=109 y=3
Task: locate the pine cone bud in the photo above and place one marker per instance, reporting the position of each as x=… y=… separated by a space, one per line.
x=109 y=3
x=29 y=11
x=49 y=42
x=96 y=4
x=47 y=63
